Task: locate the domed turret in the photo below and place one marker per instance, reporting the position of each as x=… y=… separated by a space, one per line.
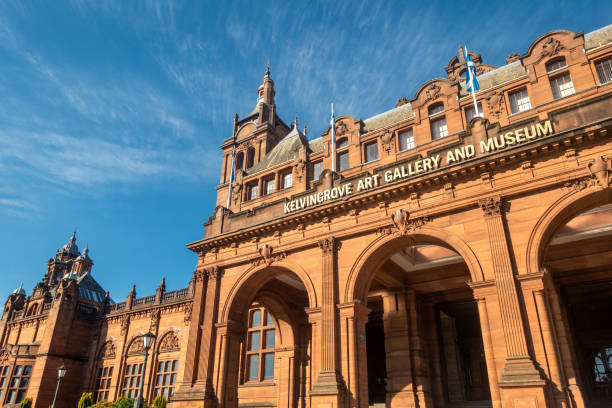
x=71 y=247
x=19 y=290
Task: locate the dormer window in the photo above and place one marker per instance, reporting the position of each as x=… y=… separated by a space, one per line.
x=560 y=82
x=317 y=168
x=406 y=140
x=436 y=109
x=268 y=186
x=341 y=143
x=604 y=70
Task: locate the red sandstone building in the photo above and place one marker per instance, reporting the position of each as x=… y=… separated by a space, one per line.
x=452 y=260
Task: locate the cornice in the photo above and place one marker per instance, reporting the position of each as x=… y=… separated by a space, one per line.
x=472 y=168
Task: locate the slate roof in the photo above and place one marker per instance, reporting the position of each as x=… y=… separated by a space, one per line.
x=498 y=76
x=283 y=152
x=316 y=145
x=598 y=37
x=89 y=288
x=389 y=117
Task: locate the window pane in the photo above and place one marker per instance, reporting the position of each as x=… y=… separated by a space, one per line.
x=173 y=379
x=435 y=109
x=406 y=140
x=18 y=370
x=287 y=180
x=269 y=186
x=470 y=113
x=268 y=366
x=268 y=320
x=343 y=161
x=604 y=70
x=269 y=339
x=168 y=365
x=174 y=365
x=438 y=128
x=317 y=168
x=555 y=65
x=253 y=367
x=27 y=370
x=371 y=152
x=342 y=143
x=253 y=192
x=254 y=341
x=256 y=318
x=562 y=86
x=519 y=101
x=20 y=396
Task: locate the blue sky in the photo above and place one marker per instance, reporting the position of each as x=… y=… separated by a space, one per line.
x=111 y=113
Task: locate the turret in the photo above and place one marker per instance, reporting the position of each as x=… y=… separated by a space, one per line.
x=83 y=263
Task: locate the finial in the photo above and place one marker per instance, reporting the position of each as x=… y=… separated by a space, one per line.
x=296 y=122
x=73 y=237
x=268 y=68
x=304 y=129
x=163 y=283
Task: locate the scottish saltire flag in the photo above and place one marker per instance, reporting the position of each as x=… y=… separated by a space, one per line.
x=471 y=82
x=333 y=137
x=232 y=175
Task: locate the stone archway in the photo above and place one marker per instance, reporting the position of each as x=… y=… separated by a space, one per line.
x=418 y=322
x=285 y=292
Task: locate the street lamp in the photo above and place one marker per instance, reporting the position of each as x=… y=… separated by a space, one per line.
x=61 y=372
x=147 y=341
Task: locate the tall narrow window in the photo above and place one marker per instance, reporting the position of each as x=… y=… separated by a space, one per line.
x=287 y=180
x=250 y=157
x=259 y=355
x=370 y=152
x=269 y=186
x=470 y=113
x=103 y=383
x=19 y=384
x=131 y=380
x=253 y=191
x=604 y=70
x=343 y=161
x=439 y=128
x=239 y=160
x=165 y=378
x=406 y=140
x=317 y=168
x=519 y=101
x=562 y=85
x=4 y=372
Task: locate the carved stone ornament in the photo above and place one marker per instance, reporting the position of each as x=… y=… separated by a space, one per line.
x=432 y=92
x=267 y=256
x=578 y=184
x=236 y=192
x=388 y=142
x=496 y=105
x=170 y=342
x=329 y=244
x=199 y=275
x=512 y=58
x=4 y=355
x=188 y=312
x=108 y=350
x=404 y=225
x=299 y=168
x=155 y=316
x=341 y=128
x=491 y=205
x=137 y=346
x=551 y=47
x=213 y=272
x=600 y=169
x=125 y=323
x=401 y=101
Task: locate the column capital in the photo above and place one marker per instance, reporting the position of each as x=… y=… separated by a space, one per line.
x=491 y=206
x=329 y=244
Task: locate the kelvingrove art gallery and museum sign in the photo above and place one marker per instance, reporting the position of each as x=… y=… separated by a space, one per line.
x=421 y=166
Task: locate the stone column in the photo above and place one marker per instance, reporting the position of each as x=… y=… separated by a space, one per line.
x=420 y=370
x=226 y=362
x=519 y=373
x=197 y=381
x=430 y=321
x=400 y=381
x=328 y=390
x=353 y=319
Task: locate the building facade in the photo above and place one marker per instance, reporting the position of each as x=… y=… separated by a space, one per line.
x=451 y=259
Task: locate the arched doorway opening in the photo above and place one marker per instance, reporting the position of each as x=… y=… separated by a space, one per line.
x=423 y=335
x=578 y=259
x=268 y=350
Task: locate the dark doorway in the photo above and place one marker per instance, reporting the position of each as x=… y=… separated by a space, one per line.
x=377 y=365
x=464 y=363
x=589 y=307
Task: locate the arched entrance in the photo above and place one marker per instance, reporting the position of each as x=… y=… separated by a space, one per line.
x=423 y=335
x=575 y=254
x=265 y=339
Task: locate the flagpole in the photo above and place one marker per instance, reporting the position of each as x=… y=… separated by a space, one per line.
x=472 y=85
x=333 y=138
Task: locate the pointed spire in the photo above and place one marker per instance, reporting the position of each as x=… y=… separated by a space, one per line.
x=296 y=121
x=268 y=68
x=162 y=285
x=132 y=292
x=305 y=129
x=19 y=290
x=73 y=237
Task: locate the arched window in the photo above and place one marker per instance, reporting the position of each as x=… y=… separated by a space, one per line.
x=439 y=129
x=436 y=109
x=104 y=374
x=239 y=160
x=259 y=353
x=250 y=158
x=167 y=365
